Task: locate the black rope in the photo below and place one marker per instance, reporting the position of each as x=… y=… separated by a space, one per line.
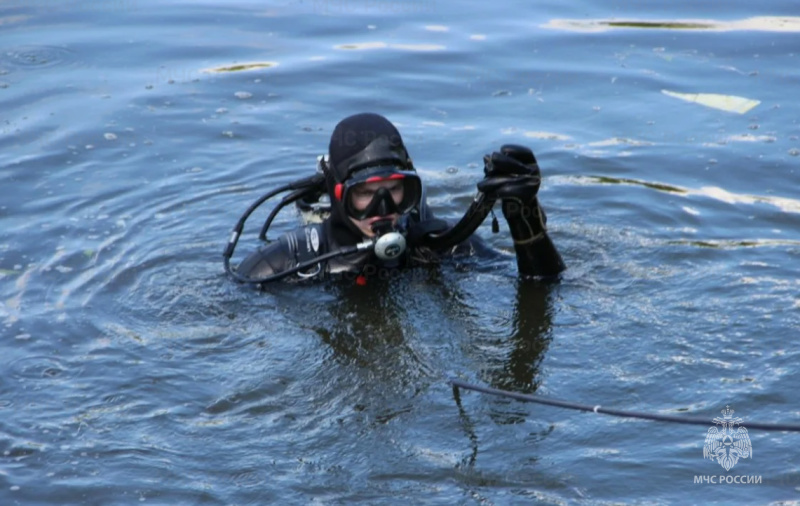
x=609 y=411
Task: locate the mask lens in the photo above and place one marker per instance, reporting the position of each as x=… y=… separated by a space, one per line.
x=363 y=194
x=382 y=195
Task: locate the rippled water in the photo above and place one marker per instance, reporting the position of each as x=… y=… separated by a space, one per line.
x=135 y=132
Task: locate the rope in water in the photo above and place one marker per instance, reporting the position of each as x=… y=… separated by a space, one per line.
x=609 y=411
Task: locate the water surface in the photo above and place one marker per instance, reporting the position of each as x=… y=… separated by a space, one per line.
x=135 y=132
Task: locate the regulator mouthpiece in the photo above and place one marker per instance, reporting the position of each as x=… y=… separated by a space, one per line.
x=390 y=246
x=381 y=227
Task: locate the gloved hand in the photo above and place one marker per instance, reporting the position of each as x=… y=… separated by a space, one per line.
x=511 y=173
x=512 y=159
x=513 y=176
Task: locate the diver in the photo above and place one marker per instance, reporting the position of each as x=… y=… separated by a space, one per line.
x=373 y=214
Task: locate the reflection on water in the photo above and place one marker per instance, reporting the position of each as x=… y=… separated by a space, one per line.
x=529 y=324
x=9 y=20
x=384 y=45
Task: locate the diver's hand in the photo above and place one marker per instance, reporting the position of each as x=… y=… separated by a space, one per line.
x=513 y=176
x=511 y=160
x=511 y=173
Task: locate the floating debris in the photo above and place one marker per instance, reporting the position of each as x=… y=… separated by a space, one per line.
x=242 y=67
x=760 y=23
x=729 y=103
x=785 y=204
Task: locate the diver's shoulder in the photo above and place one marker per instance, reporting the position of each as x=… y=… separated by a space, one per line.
x=287 y=250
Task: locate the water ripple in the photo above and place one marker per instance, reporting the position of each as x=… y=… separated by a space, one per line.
x=41 y=368
x=37 y=57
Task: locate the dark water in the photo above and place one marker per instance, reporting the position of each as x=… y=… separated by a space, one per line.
x=132 y=370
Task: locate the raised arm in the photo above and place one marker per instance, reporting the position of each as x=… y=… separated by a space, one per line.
x=513 y=176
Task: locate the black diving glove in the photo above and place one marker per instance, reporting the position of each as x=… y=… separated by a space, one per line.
x=513 y=176
x=511 y=172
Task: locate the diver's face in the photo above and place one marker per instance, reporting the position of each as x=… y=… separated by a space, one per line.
x=361 y=196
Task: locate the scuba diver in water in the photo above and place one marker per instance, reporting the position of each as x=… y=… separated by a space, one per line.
x=375 y=215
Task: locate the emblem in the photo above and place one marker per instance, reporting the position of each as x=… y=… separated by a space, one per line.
x=728 y=445
x=392 y=250
x=314 y=240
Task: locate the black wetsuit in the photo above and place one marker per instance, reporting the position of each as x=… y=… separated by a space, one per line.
x=534 y=258
x=367 y=140
x=305 y=243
